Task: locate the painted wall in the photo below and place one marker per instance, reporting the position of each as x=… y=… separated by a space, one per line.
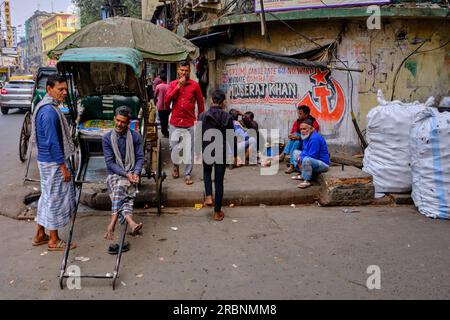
x=271 y=90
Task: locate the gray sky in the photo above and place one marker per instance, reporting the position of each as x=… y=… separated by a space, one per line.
x=21 y=10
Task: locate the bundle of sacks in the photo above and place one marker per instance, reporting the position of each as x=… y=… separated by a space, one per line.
x=396 y=158
x=430 y=163
x=387 y=157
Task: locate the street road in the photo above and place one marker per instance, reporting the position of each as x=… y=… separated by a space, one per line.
x=307 y=252
x=10 y=126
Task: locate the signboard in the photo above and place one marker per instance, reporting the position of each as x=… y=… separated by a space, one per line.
x=9 y=51
x=272 y=91
x=9 y=61
x=285 y=5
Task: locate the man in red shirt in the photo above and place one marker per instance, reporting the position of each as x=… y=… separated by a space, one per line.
x=183 y=93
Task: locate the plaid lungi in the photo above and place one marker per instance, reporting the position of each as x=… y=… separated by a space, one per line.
x=122 y=194
x=58 y=198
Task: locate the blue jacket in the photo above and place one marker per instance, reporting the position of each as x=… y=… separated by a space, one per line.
x=315 y=147
x=110 y=159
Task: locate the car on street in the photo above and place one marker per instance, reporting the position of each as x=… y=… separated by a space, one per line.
x=16 y=94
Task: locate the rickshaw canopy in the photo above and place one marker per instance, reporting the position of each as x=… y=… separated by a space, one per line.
x=104 y=70
x=155 y=43
x=128 y=56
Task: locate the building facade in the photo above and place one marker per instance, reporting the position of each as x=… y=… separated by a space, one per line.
x=33 y=27
x=54 y=30
x=332 y=59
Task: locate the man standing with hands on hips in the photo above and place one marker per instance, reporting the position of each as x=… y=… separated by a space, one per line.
x=184 y=93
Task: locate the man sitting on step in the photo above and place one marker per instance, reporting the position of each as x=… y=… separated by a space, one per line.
x=124 y=157
x=314 y=158
x=295 y=141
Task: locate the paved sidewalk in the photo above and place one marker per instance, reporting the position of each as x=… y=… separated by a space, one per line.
x=245 y=185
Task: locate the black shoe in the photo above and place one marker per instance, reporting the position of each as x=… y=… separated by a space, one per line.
x=114 y=248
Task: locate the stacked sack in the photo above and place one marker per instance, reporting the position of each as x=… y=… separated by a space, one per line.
x=430 y=163
x=387 y=157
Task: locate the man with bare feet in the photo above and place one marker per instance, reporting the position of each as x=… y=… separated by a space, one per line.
x=124 y=157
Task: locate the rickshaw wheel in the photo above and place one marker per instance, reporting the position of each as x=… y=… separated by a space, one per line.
x=25 y=134
x=158 y=178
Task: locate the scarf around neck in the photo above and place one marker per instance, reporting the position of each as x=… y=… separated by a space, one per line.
x=129 y=153
x=69 y=147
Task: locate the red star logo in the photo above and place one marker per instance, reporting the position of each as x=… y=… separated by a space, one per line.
x=319 y=76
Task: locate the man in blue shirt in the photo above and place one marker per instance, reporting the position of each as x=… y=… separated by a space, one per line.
x=124 y=157
x=314 y=158
x=52 y=136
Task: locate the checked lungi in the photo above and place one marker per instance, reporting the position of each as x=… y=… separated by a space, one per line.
x=58 y=198
x=122 y=194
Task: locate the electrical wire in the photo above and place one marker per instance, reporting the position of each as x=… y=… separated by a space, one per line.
x=397 y=72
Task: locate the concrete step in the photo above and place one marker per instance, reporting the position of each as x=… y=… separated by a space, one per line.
x=346 y=186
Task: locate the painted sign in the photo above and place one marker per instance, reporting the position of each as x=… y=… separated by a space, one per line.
x=284 y=5
x=273 y=92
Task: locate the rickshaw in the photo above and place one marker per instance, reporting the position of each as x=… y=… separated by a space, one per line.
x=39 y=91
x=103 y=79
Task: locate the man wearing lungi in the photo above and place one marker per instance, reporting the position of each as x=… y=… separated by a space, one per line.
x=51 y=134
x=124 y=157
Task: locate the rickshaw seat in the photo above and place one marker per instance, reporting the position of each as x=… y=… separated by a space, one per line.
x=104 y=107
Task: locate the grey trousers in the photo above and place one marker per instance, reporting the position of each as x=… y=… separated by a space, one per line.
x=181 y=140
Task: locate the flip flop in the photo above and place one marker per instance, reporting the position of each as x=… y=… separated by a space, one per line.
x=175 y=173
x=61 y=246
x=114 y=248
x=188 y=180
x=297 y=177
x=135 y=231
x=209 y=204
x=43 y=241
x=218 y=216
x=304 y=184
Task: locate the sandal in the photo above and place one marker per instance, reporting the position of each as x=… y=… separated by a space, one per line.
x=61 y=246
x=218 y=216
x=298 y=177
x=136 y=229
x=114 y=248
x=175 y=172
x=289 y=170
x=304 y=184
x=188 y=180
x=208 y=203
x=43 y=241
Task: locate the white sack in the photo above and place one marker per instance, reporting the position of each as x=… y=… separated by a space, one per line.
x=430 y=163
x=387 y=157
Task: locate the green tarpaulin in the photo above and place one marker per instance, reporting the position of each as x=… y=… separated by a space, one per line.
x=128 y=56
x=153 y=42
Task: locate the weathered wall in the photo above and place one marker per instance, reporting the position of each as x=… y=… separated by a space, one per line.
x=377 y=52
x=148 y=8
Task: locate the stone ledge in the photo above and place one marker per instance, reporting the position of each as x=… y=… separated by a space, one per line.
x=348 y=187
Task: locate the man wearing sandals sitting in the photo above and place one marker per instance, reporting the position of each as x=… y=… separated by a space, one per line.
x=124 y=157
x=51 y=134
x=295 y=141
x=314 y=158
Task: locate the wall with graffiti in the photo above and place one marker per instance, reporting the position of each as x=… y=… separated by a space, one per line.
x=272 y=91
